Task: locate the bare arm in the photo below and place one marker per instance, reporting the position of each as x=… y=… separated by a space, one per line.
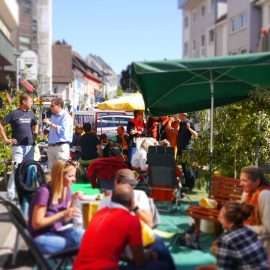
x=192 y=131
x=35 y=129
x=146 y=217
x=5 y=137
x=39 y=219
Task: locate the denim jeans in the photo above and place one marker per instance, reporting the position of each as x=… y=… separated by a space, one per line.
x=20 y=153
x=51 y=242
x=164 y=262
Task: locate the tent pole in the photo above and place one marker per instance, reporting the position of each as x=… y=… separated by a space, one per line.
x=211 y=129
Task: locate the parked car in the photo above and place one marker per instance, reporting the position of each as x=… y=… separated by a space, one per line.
x=104 y=121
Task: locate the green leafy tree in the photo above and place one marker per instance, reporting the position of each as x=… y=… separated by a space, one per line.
x=119 y=92
x=241 y=135
x=5 y=150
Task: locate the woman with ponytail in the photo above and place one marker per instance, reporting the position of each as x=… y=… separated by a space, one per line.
x=238 y=248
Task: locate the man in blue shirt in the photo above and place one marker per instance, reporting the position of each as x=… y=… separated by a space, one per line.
x=60 y=134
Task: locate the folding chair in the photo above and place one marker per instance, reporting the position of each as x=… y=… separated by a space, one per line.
x=45 y=262
x=162 y=174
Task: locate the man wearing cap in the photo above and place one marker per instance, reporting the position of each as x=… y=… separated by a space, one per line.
x=60 y=134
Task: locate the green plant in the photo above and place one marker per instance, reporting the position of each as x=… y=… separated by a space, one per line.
x=241 y=135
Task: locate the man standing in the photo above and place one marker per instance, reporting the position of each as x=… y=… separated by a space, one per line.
x=135 y=129
x=185 y=133
x=24 y=128
x=60 y=134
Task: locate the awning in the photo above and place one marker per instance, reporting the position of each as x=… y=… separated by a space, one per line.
x=27 y=85
x=125 y=103
x=170 y=87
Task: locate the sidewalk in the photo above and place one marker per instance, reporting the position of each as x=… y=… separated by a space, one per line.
x=7 y=240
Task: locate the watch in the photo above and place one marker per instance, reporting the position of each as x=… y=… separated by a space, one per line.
x=135 y=209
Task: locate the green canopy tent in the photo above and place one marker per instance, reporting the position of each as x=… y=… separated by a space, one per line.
x=170 y=87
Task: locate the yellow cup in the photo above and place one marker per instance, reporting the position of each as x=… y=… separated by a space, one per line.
x=89 y=210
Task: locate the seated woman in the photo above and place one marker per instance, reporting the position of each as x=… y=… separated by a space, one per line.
x=51 y=211
x=238 y=247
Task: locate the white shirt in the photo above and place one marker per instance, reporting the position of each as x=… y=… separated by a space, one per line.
x=139 y=160
x=140 y=199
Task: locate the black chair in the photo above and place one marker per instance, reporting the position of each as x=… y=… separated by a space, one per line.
x=44 y=261
x=162 y=174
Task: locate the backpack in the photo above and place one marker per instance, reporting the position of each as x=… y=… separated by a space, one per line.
x=29 y=176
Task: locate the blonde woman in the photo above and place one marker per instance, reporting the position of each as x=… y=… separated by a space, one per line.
x=51 y=211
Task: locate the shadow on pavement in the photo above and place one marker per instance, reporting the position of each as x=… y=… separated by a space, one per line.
x=24 y=259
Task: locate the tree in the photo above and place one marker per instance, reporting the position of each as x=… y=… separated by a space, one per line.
x=7 y=106
x=241 y=135
x=119 y=92
x=126 y=82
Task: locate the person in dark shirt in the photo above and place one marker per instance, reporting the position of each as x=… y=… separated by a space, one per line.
x=185 y=133
x=88 y=143
x=24 y=129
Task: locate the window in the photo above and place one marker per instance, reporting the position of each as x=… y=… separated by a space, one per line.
x=243 y=51
x=24 y=40
x=268 y=14
x=238 y=22
x=24 y=43
x=211 y=35
x=194 y=15
x=185 y=49
x=186 y=22
x=194 y=45
x=202 y=40
x=4 y=29
x=203 y=10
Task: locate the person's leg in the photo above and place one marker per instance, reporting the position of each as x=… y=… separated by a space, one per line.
x=73 y=237
x=63 y=152
x=17 y=158
x=51 y=153
x=151 y=265
x=28 y=152
x=50 y=243
x=163 y=252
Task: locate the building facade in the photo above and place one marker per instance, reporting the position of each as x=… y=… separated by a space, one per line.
x=220 y=27
x=9 y=21
x=265 y=9
x=73 y=79
x=26 y=38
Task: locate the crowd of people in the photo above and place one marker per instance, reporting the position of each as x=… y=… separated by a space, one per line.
x=116 y=231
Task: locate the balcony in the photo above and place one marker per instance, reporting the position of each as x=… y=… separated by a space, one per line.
x=9 y=12
x=7 y=51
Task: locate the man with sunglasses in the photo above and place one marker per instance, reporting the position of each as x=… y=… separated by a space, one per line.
x=60 y=134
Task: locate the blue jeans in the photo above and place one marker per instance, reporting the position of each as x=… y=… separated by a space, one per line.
x=20 y=153
x=51 y=242
x=164 y=262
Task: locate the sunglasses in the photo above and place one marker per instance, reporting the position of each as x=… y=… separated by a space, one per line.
x=71 y=162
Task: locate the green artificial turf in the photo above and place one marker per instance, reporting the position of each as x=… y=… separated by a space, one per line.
x=185 y=258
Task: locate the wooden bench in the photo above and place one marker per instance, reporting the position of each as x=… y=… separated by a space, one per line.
x=223 y=189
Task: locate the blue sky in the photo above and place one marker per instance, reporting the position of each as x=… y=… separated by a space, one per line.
x=120 y=31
